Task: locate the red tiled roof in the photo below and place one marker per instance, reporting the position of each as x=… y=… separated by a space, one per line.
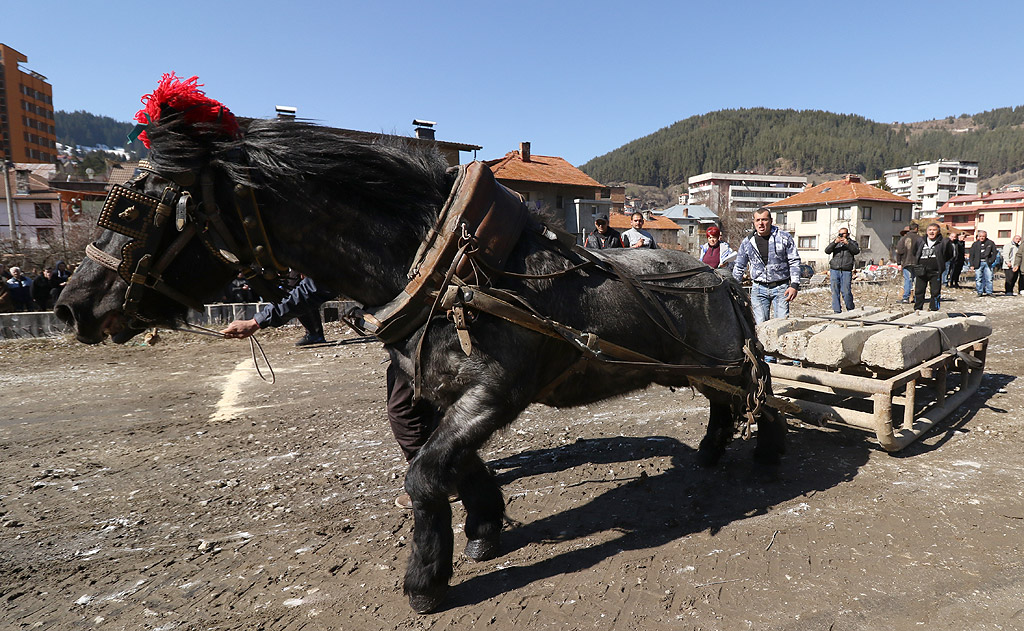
x=849 y=189
x=545 y=169
x=624 y=222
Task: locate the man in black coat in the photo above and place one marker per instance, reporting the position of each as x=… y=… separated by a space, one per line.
x=983 y=258
x=959 y=248
x=604 y=236
x=931 y=253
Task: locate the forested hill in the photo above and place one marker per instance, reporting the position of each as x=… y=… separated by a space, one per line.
x=89 y=130
x=808 y=142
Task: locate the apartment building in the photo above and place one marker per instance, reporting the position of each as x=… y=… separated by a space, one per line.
x=742 y=192
x=1001 y=215
x=873 y=216
x=931 y=184
x=27 y=132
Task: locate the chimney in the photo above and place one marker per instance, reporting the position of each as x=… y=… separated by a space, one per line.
x=424 y=129
x=854 y=179
x=524 y=151
x=686 y=212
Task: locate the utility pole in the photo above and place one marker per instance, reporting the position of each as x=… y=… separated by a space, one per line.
x=7 y=196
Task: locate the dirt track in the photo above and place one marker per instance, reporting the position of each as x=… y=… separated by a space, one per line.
x=167 y=487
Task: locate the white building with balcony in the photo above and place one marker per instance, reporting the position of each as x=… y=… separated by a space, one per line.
x=742 y=192
x=931 y=184
x=874 y=218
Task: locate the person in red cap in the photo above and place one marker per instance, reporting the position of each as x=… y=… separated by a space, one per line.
x=716 y=253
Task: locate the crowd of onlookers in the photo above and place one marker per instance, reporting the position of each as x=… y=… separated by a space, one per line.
x=39 y=292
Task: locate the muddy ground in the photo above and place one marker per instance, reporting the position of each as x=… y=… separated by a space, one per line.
x=168 y=487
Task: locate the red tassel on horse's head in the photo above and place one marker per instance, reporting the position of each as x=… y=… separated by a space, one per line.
x=185 y=97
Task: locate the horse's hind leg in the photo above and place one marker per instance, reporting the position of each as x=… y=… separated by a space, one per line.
x=719 y=434
x=771 y=440
x=485 y=507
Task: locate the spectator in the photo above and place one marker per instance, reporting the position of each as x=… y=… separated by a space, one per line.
x=5 y=274
x=716 y=253
x=774 y=266
x=1013 y=276
x=42 y=289
x=905 y=249
x=637 y=237
x=239 y=290
x=843 y=250
x=931 y=254
x=959 y=249
x=983 y=256
x=603 y=236
x=20 y=288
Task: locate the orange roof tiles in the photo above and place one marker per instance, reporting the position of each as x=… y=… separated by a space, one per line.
x=848 y=189
x=546 y=169
x=624 y=222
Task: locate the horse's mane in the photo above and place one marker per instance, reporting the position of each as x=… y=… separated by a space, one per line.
x=304 y=163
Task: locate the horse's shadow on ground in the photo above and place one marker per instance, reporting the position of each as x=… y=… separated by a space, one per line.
x=661 y=503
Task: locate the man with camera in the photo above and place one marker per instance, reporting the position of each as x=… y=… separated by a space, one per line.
x=843 y=250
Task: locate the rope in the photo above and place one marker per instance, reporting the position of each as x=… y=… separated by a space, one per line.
x=254 y=344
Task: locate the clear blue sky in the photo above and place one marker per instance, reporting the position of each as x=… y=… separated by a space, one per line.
x=576 y=79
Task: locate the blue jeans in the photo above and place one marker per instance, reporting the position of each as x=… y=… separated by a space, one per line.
x=841 y=285
x=945 y=273
x=766 y=300
x=983 y=279
x=908 y=283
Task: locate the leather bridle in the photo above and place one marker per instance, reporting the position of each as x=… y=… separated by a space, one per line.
x=146 y=219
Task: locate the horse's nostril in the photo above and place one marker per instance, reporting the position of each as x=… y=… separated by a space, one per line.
x=64 y=313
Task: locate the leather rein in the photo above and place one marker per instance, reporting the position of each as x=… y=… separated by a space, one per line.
x=146 y=219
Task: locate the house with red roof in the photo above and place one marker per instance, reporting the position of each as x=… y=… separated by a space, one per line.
x=814 y=216
x=550 y=183
x=1001 y=215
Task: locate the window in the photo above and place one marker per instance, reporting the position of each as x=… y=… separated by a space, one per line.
x=865 y=212
x=44 y=235
x=1005 y=216
x=691 y=231
x=897 y=214
x=844 y=213
x=865 y=241
x=1004 y=234
x=44 y=210
x=780 y=219
x=981 y=217
x=558 y=201
x=807 y=243
x=809 y=215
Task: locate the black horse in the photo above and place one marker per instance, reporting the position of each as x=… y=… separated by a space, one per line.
x=353 y=215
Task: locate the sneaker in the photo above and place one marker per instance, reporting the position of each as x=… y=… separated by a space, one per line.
x=308 y=339
x=905 y=302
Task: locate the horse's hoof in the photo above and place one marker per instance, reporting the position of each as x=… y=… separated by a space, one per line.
x=425 y=603
x=708 y=458
x=483 y=549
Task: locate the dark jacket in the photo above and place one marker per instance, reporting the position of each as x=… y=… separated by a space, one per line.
x=959 y=249
x=943 y=252
x=983 y=251
x=597 y=241
x=842 y=254
x=905 y=248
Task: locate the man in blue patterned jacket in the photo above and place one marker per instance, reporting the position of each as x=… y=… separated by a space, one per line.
x=774 y=266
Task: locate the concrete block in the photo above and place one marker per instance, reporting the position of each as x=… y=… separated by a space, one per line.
x=842 y=344
x=793 y=345
x=769 y=332
x=899 y=349
x=783 y=336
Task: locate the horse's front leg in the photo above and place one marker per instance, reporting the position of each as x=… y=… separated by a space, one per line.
x=448 y=462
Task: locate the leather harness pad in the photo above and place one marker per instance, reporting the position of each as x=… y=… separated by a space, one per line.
x=131 y=213
x=494 y=215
